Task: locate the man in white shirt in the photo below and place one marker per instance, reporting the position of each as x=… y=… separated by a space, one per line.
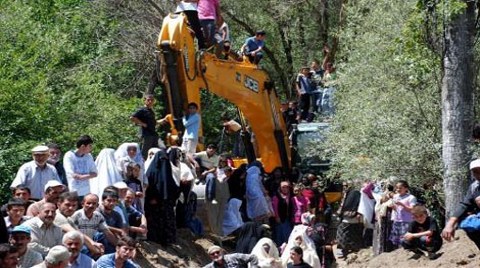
x=36 y=173
x=80 y=166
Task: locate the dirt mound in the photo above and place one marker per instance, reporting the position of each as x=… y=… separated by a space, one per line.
x=188 y=252
x=460 y=253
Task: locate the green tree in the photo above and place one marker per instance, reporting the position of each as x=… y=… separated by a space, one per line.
x=62 y=76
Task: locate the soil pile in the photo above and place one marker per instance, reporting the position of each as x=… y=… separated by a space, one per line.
x=459 y=253
x=188 y=252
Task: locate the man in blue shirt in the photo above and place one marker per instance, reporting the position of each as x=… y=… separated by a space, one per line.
x=122 y=257
x=191 y=122
x=253 y=47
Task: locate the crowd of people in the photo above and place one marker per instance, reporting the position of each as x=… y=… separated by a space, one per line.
x=82 y=211
x=386 y=216
x=89 y=212
x=315 y=87
x=105 y=204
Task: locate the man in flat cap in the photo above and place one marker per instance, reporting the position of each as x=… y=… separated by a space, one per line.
x=57 y=257
x=36 y=173
x=53 y=189
x=239 y=260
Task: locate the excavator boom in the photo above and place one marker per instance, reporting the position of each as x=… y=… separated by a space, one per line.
x=242 y=83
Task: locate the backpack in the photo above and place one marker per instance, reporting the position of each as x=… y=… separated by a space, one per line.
x=471 y=223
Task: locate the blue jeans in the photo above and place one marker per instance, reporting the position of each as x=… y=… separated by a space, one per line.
x=254 y=59
x=316 y=97
x=210 y=187
x=328 y=107
x=424 y=243
x=101 y=238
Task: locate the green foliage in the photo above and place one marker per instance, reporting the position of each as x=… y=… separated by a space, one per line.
x=213 y=108
x=60 y=76
x=388 y=120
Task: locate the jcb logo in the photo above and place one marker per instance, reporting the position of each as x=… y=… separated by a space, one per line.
x=251 y=84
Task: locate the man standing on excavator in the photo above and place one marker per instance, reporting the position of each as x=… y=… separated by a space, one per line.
x=191 y=122
x=145 y=118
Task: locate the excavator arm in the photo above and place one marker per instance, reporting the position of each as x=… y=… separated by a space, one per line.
x=242 y=83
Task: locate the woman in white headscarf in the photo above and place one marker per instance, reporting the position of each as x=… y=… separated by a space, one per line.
x=267 y=254
x=129 y=152
x=151 y=154
x=108 y=173
x=299 y=237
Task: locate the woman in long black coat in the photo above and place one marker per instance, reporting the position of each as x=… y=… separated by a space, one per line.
x=160 y=197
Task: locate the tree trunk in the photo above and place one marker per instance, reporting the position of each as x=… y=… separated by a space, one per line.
x=323 y=21
x=287 y=49
x=457 y=104
x=335 y=40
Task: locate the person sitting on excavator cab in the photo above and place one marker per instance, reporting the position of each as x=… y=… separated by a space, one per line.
x=253 y=47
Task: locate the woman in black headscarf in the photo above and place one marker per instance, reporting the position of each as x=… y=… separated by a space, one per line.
x=350 y=230
x=160 y=197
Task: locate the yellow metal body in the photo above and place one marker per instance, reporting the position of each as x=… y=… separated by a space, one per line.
x=241 y=83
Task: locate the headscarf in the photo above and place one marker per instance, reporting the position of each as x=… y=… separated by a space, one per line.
x=160 y=180
x=121 y=157
x=307 y=218
x=151 y=154
x=122 y=152
x=232 y=219
x=253 y=182
x=180 y=170
x=108 y=173
x=249 y=234
x=255 y=163
x=309 y=254
x=366 y=206
x=257 y=204
x=264 y=258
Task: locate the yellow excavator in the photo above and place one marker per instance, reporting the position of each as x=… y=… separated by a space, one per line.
x=187 y=70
